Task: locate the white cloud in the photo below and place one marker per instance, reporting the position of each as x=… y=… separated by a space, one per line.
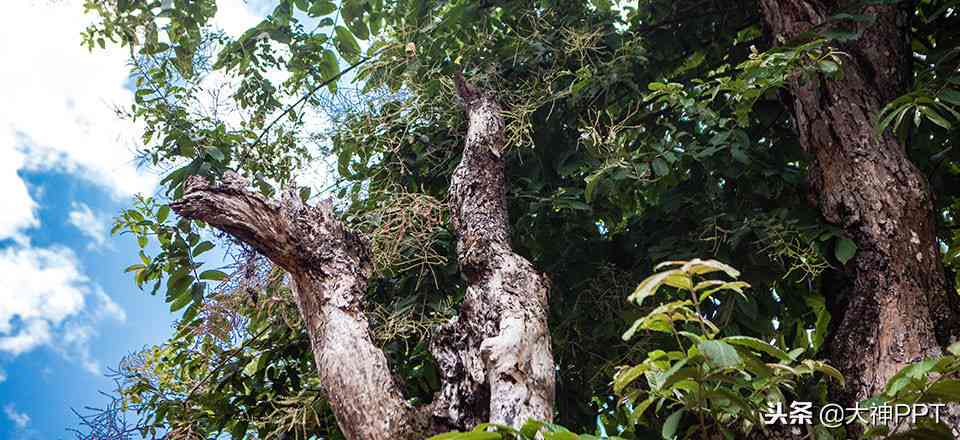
x=58 y=115
x=45 y=300
x=234 y=17
x=33 y=334
x=18 y=211
x=19 y=419
x=60 y=98
x=94 y=226
x=106 y=308
x=39 y=284
x=3 y=376
x=74 y=344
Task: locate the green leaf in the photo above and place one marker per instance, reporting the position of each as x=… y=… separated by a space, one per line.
x=202 y=247
x=720 y=354
x=660 y=167
x=672 y=424
x=662 y=378
x=253 y=366
x=347 y=44
x=215 y=154
x=178 y=282
x=163 y=213
x=213 y=275
x=626 y=376
x=531 y=428
x=935 y=117
x=679 y=281
x=468 y=436
x=700 y=267
x=945 y=390
x=950 y=96
x=181 y=301
x=322 y=7
x=903 y=377
x=358 y=27
x=759 y=345
x=885 y=121
x=730 y=398
x=134 y=268
x=825 y=369
x=954 y=349
x=592 y=181
x=845 y=250
x=818 y=304
x=828 y=67
x=649 y=286
x=329 y=67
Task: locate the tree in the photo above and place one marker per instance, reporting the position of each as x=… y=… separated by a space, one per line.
x=576 y=144
x=895 y=308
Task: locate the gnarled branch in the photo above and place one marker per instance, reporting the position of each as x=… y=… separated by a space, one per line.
x=495 y=357
x=330 y=267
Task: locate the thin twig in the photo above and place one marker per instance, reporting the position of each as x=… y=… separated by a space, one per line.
x=312 y=91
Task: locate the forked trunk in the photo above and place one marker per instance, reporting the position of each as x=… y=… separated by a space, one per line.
x=495 y=357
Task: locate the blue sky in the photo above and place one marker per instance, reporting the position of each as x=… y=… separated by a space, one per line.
x=67 y=310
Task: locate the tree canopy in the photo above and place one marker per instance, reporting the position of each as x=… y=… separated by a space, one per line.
x=633 y=133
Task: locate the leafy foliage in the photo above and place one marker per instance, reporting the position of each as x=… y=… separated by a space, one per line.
x=720 y=382
x=924 y=383
x=638 y=132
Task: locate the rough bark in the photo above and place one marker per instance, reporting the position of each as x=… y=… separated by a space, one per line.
x=895 y=309
x=329 y=266
x=495 y=357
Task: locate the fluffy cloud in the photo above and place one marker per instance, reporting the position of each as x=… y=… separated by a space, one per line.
x=43 y=285
x=60 y=116
x=47 y=301
x=19 y=419
x=18 y=208
x=234 y=17
x=92 y=225
x=74 y=344
x=105 y=308
x=61 y=113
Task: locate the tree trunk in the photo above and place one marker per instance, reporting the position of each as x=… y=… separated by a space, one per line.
x=896 y=309
x=495 y=357
x=329 y=266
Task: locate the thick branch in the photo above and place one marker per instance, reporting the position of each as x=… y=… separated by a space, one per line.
x=495 y=356
x=246 y=216
x=329 y=266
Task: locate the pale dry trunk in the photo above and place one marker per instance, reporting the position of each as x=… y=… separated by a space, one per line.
x=495 y=358
x=329 y=266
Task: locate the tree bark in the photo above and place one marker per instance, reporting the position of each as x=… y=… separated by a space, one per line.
x=495 y=357
x=895 y=309
x=329 y=266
